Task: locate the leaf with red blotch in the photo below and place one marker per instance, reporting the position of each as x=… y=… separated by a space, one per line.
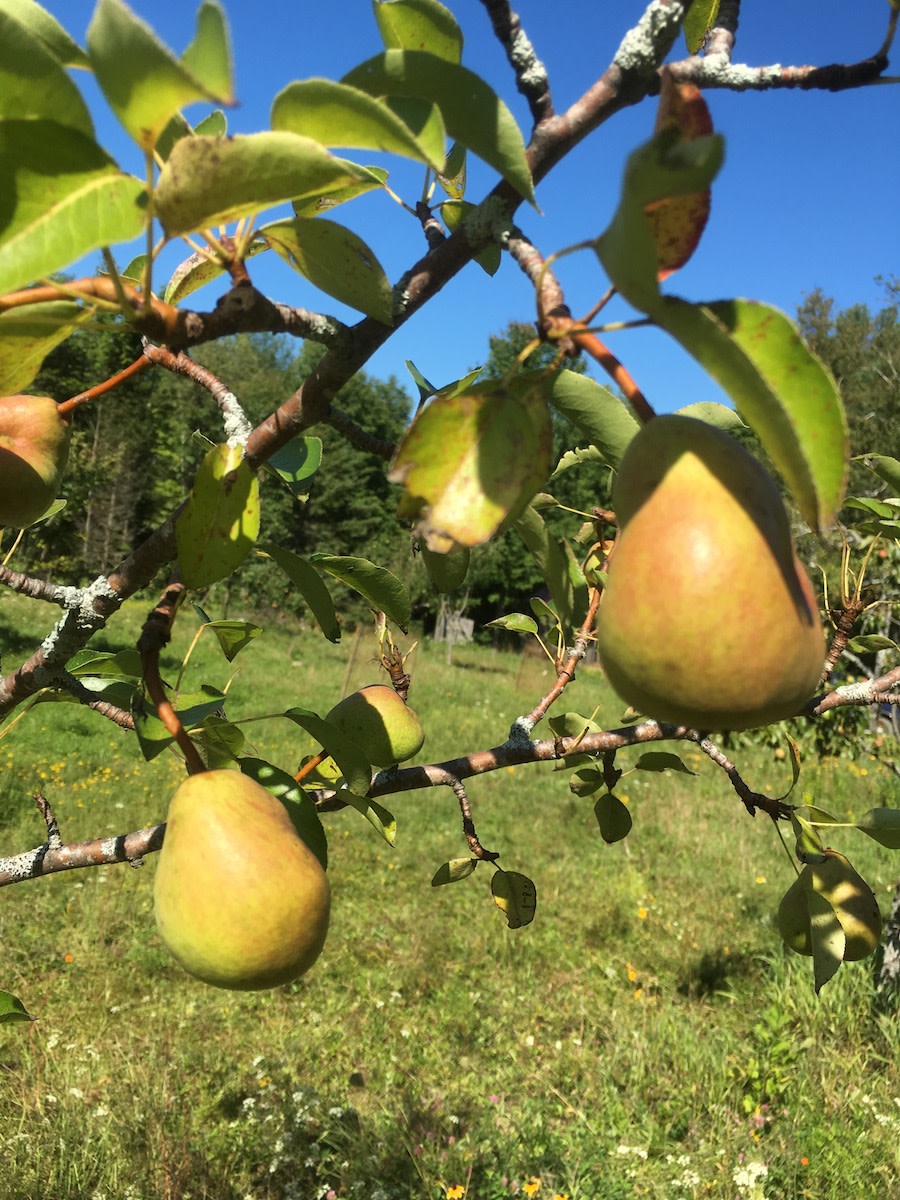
x=678 y=222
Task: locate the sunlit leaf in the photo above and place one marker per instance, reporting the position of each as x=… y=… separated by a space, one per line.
x=779 y=387
x=469 y=462
x=63 y=198
x=472 y=111
x=298 y=803
x=297 y=462
x=809 y=847
x=219 y=524
x=352 y=762
x=338 y=115
x=192 y=708
x=419 y=25
x=233 y=636
x=336 y=260
x=208 y=181
x=572 y=725
x=882 y=825
x=453 y=871
x=38 y=21
x=886 y=468
x=700 y=18
x=142 y=80
x=28 y=334
x=516 y=896
x=219 y=742
x=515 y=622
x=452 y=179
x=12 y=1009
x=827 y=937
x=33 y=82
x=454 y=213
x=311 y=587
x=551 y=560
x=376 y=814
x=595 y=412
x=367 y=179
x=871 y=643
x=719 y=415
x=378 y=585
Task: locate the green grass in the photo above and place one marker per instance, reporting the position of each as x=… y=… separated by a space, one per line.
x=647 y=1036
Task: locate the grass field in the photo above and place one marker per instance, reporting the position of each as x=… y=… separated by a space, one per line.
x=647 y=1036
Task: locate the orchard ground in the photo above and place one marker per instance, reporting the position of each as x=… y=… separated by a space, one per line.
x=647 y=1036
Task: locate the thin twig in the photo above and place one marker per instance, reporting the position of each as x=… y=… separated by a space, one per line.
x=100 y=389
x=531 y=74
x=444 y=778
x=237 y=427
x=566 y=672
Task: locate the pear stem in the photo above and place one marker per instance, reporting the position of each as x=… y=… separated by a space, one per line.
x=67 y=406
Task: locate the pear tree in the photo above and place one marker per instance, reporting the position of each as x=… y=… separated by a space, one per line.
x=694 y=514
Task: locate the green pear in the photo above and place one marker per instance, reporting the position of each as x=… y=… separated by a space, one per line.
x=848 y=894
x=34 y=446
x=708 y=618
x=384 y=727
x=240 y=901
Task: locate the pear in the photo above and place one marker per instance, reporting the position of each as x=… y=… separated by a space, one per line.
x=34 y=446
x=708 y=618
x=383 y=726
x=240 y=901
x=849 y=895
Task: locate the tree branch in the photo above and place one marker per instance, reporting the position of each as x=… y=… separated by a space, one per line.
x=531 y=74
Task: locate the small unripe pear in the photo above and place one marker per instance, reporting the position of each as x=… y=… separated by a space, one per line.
x=34 y=446
x=708 y=618
x=240 y=901
x=384 y=727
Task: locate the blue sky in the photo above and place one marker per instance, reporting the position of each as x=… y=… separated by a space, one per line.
x=807 y=196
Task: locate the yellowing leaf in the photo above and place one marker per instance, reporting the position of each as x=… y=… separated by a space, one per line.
x=516 y=896
x=220 y=522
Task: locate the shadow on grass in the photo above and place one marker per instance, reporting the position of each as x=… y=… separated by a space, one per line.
x=716 y=973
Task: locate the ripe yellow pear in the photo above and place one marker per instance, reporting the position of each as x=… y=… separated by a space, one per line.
x=34 y=446
x=384 y=727
x=848 y=894
x=708 y=618
x=240 y=901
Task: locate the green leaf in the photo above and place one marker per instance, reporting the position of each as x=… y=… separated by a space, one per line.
x=469 y=462
x=298 y=803
x=367 y=179
x=297 y=462
x=453 y=871
x=779 y=387
x=219 y=741
x=335 y=260
x=208 y=181
x=233 y=636
x=126 y=664
x=827 y=936
x=871 y=643
x=515 y=622
x=336 y=114
x=192 y=708
x=663 y=167
x=660 y=760
x=516 y=896
x=63 y=198
x=196 y=271
x=351 y=761
x=309 y=582
x=881 y=508
x=12 y=1009
x=143 y=82
x=613 y=818
x=574 y=458
x=40 y=23
x=419 y=25
x=719 y=415
x=378 y=585
x=596 y=412
x=551 y=561
x=472 y=111
x=33 y=82
x=28 y=334
x=586 y=781
x=454 y=213
x=377 y=816
x=572 y=725
x=219 y=524
x=809 y=847
x=700 y=18
x=448 y=571
x=882 y=825
x=886 y=468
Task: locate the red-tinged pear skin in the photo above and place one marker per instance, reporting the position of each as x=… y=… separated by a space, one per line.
x=34 y=446
x=240 y=901
x=708 y=619
x=384 y=727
